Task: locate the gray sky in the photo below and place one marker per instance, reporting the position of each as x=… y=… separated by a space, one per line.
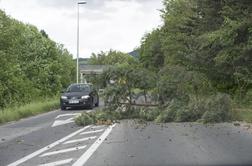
x=104 y=24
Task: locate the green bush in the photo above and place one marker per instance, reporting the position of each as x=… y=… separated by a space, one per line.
x=184 y=115
x=149 y=114
x=211 y=117
x=218 y=109
x=196 y=109
x=167 y=115
x=32 y=66
x=85 y=119
x=245 y=101
x=99 y=117
x=106 y=115
x=128 y=112
x=244 y=115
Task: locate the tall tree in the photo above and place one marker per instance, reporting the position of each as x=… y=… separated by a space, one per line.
x=151 y=53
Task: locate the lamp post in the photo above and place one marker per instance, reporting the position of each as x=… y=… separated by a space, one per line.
x=77 y=59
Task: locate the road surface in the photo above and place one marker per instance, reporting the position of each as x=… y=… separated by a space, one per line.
x=53 y=139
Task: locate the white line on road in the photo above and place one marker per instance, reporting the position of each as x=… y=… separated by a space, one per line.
x=63 y=115
x=83 y=159
x=62 y=122
x=79 y=140
x=91 y=132
x=56 y=163
x=63 y=151
x=36 y=153
x=96 y=127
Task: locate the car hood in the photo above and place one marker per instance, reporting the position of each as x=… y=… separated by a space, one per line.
x=75 y=94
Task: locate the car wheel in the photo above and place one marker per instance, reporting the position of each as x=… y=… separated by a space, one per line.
x=62 y=108
x=97 y=104
x=91 y=105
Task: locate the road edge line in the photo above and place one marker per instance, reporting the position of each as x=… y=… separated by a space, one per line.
x=60 y=162
x=85 y=156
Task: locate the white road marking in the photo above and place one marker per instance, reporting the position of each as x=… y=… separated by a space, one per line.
x=96 y=127
x=63 y=115
x=56 y=163
x=62 y=122
x=83 y=159
x=91 y=132
x=38 y=152
x=63 y=151
x=79 y=140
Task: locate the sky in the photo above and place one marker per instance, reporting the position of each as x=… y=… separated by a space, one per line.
x=104 y=24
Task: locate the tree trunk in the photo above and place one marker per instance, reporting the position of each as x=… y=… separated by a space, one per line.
x=145 y=97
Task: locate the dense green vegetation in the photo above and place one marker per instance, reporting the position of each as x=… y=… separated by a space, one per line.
x=197 y=65
x=212 y=37
x=32 y=66
x=110 y=58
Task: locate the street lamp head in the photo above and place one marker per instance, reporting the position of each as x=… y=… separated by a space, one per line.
x=82 y=3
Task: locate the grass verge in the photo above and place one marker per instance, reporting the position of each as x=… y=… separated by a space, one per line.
x=245 y=115
x=27 y=110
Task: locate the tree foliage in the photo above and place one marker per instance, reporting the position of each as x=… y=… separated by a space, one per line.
x=123 y=79
x=200 y=55
x=32 y=66
x=111 y=58
x=211 y=37
x=151 y=53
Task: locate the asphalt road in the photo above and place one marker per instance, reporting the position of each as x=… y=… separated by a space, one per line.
x=53 y=139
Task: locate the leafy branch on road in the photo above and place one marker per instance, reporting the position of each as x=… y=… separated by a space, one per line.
x=196 y=66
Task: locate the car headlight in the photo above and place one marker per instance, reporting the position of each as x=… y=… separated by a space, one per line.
x=63 y=97
x=85 y=97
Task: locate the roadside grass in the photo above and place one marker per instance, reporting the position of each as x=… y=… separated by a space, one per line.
x=245 y=114
x=244 y=109
x=27 y=110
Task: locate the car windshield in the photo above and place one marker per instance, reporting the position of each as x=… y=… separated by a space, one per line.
x=78 y=88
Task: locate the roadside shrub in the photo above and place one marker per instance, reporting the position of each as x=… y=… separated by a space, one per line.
x=216 y=108
x=102 y=116
x=106 y=115
x=166 y=116
x=149 y=114
x=85 y=119
x=169 y=113
x=211 y=117
x=133 y=113
x=196 y=108
x=245 y=101
x=219 y=109
x=184 y=115
x=128 y=112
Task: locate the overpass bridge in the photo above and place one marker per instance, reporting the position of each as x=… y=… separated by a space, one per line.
x=91 y=70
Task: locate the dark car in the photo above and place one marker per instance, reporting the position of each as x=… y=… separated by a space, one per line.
x=79 y=95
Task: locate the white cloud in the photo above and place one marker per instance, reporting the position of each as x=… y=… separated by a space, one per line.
x=104 y=25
